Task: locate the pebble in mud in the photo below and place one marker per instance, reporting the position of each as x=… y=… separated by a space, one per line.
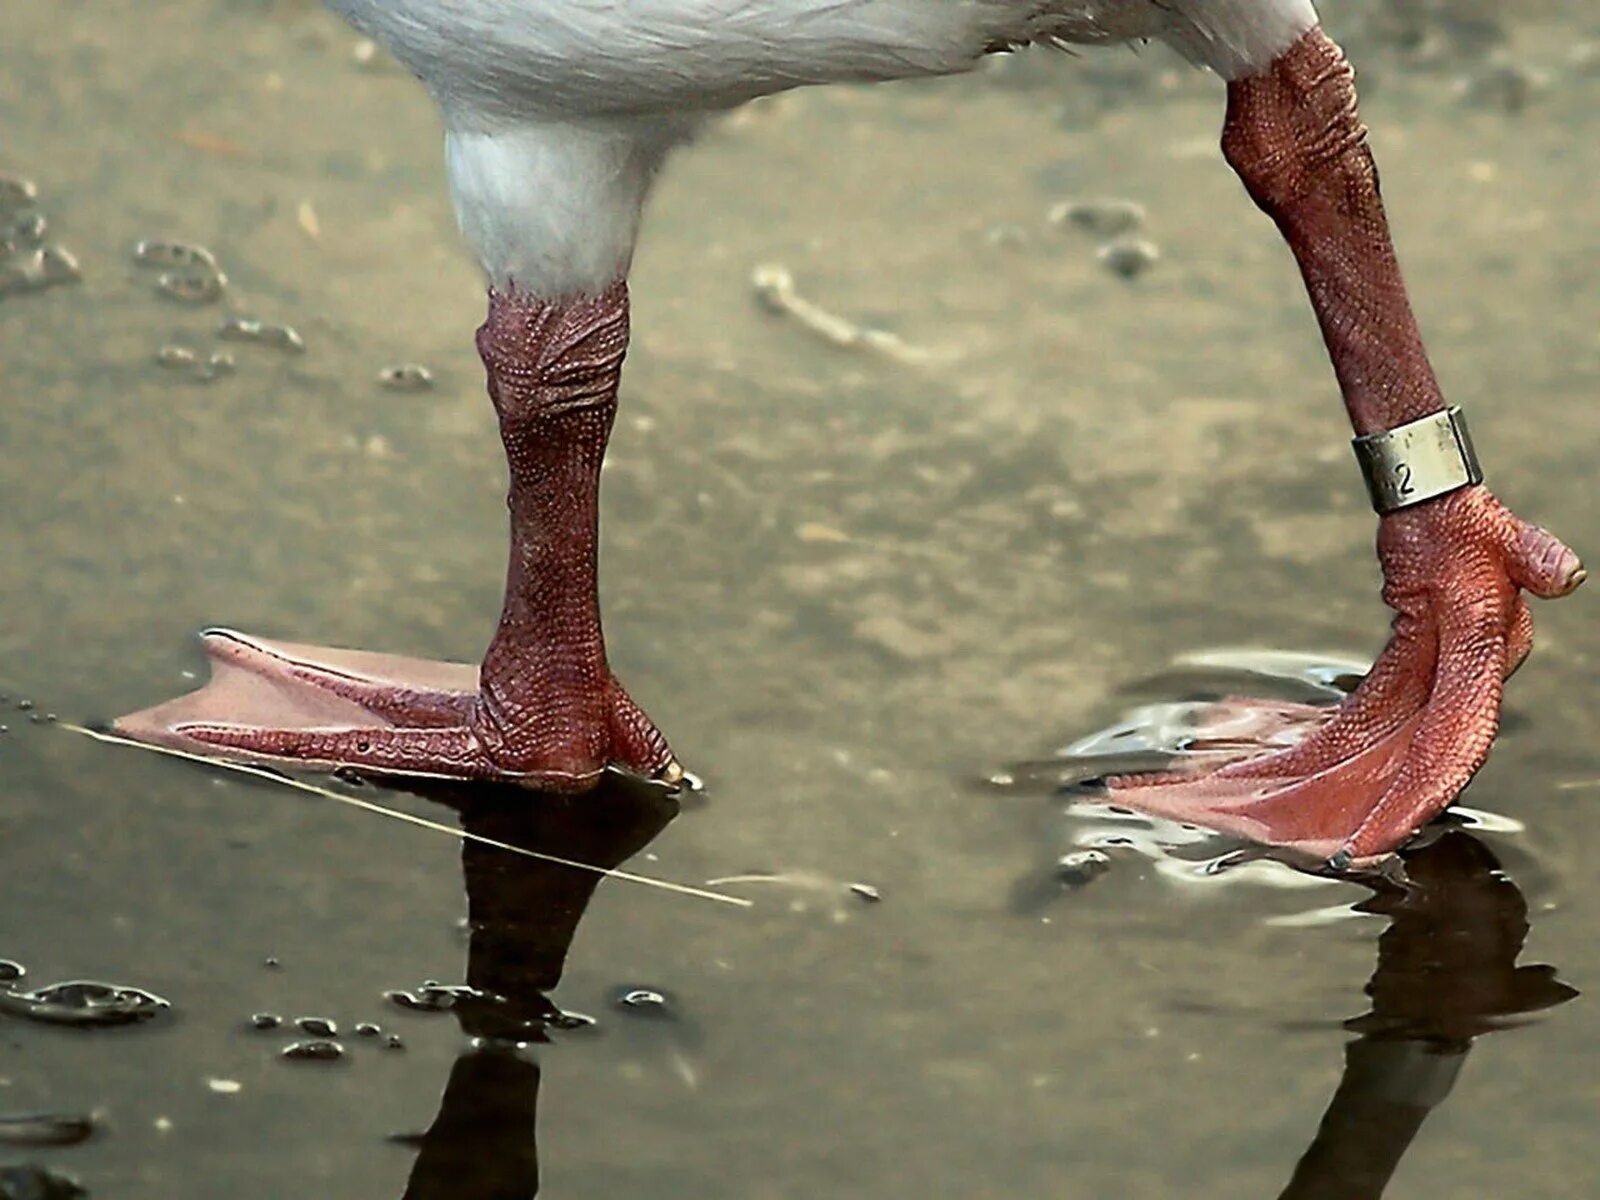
x=246 y=329
x=1129 y=257
x=83 y=1003
x=36 y=1183
x=1103 y=218
x=317 y=1027
x=189 y=274
x=406 y=377
x=317 y=1050
x=866 y=892
x=45 y=1129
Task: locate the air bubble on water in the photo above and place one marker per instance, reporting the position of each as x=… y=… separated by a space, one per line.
x=83 y=1003
x=318 y=1050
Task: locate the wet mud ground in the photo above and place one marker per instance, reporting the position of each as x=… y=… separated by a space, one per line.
x=850 y=587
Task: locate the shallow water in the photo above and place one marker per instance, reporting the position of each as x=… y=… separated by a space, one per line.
x=851 y=585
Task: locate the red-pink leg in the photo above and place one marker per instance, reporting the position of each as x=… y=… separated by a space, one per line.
x=1411 y=737
x=544 y=708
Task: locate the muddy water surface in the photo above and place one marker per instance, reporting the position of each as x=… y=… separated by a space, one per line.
x=850 y=584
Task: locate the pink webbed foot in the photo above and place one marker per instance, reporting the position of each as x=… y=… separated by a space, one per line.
x=1360 y=783
x=285 y=704
x=544 y=709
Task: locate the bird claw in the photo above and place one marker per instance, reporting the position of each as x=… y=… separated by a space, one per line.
x=1410 y=738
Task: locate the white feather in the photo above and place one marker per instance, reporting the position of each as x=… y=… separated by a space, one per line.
x=553 y=206
x=560 y=112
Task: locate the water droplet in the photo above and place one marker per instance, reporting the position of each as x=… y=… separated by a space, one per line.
x=27 y=230
x=318 y=1027
x=646 y=1002
x=1129 y=257
x=320 y=1050
x=867 y=892
x=395 y=1042
x=245 y=329
x=16 y=192
x=567 y=1021
x=1082 y=867
x=368 y=1029
x=45 y=1129
x=265 y=1020
x=83 y=1002
x=10 y=971
x=35 y=1183
x=156 y=252
x=189 y=273
x=1104 y=218
x=272 y=962
x=433 y=997
x=406 y=377
x=57 y=264
x=225 y=1087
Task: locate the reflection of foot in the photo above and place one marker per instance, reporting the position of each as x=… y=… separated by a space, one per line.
x=282 y=703
x=1420 y=725
x=544 y=709
x=1447 y=972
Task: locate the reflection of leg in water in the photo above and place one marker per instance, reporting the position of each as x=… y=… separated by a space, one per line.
x=1447 y=972
x=523 y=915
x=1388 y=1089
x=481 y=1145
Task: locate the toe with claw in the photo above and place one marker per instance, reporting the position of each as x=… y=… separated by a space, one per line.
x=1410 y=738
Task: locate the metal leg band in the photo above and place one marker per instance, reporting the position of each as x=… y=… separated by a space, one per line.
x=1418 y=461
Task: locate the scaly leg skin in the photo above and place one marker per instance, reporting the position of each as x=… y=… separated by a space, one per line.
x=1410 y=738
x=544 y=710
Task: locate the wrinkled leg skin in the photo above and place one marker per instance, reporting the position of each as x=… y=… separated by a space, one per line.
x=543 y=710
x=1397 y=753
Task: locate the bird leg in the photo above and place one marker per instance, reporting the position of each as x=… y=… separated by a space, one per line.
x=1414 y=733
x=543 y=710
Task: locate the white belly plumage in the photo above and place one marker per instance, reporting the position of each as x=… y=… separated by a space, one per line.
x=560 y=111
x=588 y=57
